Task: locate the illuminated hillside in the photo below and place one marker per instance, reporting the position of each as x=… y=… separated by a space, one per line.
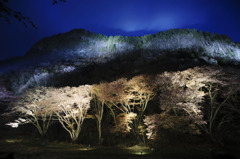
x=81 y=43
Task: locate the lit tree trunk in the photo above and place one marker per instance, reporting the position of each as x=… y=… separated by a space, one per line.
x=112 y=113
x=35 y=107
x=72 y=104
x=99 y=130
x=46 y=123
x=75 y=134
x=99 y=108
x=42 y=128
x=72 y=126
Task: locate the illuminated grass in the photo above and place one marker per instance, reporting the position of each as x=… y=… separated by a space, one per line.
x=86 y=149
x=139 y=150
x=13 y=140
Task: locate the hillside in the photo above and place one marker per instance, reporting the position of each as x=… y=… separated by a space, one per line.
x=81 y=43
x=81 y=57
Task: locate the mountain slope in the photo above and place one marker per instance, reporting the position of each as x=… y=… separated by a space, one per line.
x=81 y=43
x=80 y=57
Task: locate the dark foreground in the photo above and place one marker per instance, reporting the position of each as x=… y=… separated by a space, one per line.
x=20 y=148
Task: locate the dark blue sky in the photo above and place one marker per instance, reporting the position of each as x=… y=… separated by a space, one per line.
x=126 y=17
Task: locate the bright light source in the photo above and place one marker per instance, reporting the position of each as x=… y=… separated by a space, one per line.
x=86 y=149
x=139 y=150
x=13 y=140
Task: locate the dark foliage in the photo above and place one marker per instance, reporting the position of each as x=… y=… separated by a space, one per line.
x=7 y=13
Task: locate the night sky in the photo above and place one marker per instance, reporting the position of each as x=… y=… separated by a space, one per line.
x=113 y=17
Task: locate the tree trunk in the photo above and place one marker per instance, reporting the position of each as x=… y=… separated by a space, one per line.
x=74 y=137
x=99 y=131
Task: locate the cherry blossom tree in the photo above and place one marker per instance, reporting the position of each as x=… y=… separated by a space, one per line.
x=125 y=97
x=130 y=97
x=183 y=92
x=159 y=125
x=137 y=93
x=222 y=97
x=201 y=96
x=71 y=106
x=111 y=93
x=99 y=98
x=124 y=122
x=35 y=107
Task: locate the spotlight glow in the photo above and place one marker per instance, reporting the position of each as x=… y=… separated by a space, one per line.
x=13 y=140
x=86 y=149
x=139 y=150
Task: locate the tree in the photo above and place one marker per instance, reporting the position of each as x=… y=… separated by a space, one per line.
x=183 y=92
x=222 y=96
x=112 y=94
x=124 y=122
x=162 y=126
x=147 y=38
x=35 y=107
x=71 y=106
x=130 y=96
x=6 y=13
x=119 y=38
x=200 y=93
x=138 y=91
x=57 y=1
x=142 y=89
x=99 y=97
x=181 y=99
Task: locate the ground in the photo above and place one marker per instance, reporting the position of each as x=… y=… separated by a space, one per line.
x=37 y=148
